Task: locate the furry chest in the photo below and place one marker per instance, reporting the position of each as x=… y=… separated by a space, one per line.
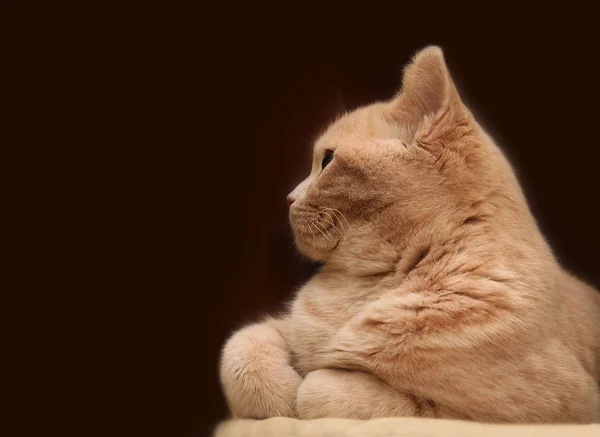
x=314 y=321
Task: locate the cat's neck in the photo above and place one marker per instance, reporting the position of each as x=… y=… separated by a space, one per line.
x=393 y=246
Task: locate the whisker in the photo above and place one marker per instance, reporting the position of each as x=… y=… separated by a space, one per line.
x=331 y=222
x=318 y=229
x=326 y=235
x=340 y=213
x=310 y=229
x=336 y=213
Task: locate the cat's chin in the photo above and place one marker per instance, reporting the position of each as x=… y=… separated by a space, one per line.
x=316 y=249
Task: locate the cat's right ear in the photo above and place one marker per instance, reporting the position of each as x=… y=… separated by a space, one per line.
x=427 y=89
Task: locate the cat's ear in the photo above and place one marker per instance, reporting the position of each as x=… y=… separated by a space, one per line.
x=427 y=89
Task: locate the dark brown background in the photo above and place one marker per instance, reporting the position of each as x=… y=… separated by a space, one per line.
x=220 y=110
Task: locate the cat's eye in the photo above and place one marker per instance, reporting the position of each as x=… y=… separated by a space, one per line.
x=327 y=158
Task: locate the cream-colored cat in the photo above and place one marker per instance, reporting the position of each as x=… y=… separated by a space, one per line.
x=438 y=295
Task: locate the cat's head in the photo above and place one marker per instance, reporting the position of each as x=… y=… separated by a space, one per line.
x=420 y=155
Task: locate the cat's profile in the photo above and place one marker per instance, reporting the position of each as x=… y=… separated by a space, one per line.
x=438 y=295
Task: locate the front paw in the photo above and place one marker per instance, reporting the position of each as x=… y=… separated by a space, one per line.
x=256 y=376
x=351 y=395
x=314 y=395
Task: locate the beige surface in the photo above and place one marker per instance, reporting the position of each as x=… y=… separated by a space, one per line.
x=406 y=426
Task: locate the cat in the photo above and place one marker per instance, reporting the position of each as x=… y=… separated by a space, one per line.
x=437 y=297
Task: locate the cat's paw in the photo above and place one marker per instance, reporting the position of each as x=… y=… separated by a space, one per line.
x=351 y=395
x=257 y=378
x=313 y=398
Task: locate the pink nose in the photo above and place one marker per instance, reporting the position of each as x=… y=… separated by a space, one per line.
x=290 y=200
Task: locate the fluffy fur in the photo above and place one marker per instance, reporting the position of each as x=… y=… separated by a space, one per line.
x=438 y=295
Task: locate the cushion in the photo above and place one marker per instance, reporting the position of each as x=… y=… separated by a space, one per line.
x=397 y=426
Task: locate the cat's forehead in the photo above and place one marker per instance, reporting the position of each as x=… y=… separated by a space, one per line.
x=354 y=128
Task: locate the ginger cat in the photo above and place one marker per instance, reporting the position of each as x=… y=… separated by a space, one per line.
x=438 y=295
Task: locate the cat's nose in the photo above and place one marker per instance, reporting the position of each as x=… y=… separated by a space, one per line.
x=290 y=200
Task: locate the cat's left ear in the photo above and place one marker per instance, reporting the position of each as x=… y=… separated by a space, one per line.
x=427 y=90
